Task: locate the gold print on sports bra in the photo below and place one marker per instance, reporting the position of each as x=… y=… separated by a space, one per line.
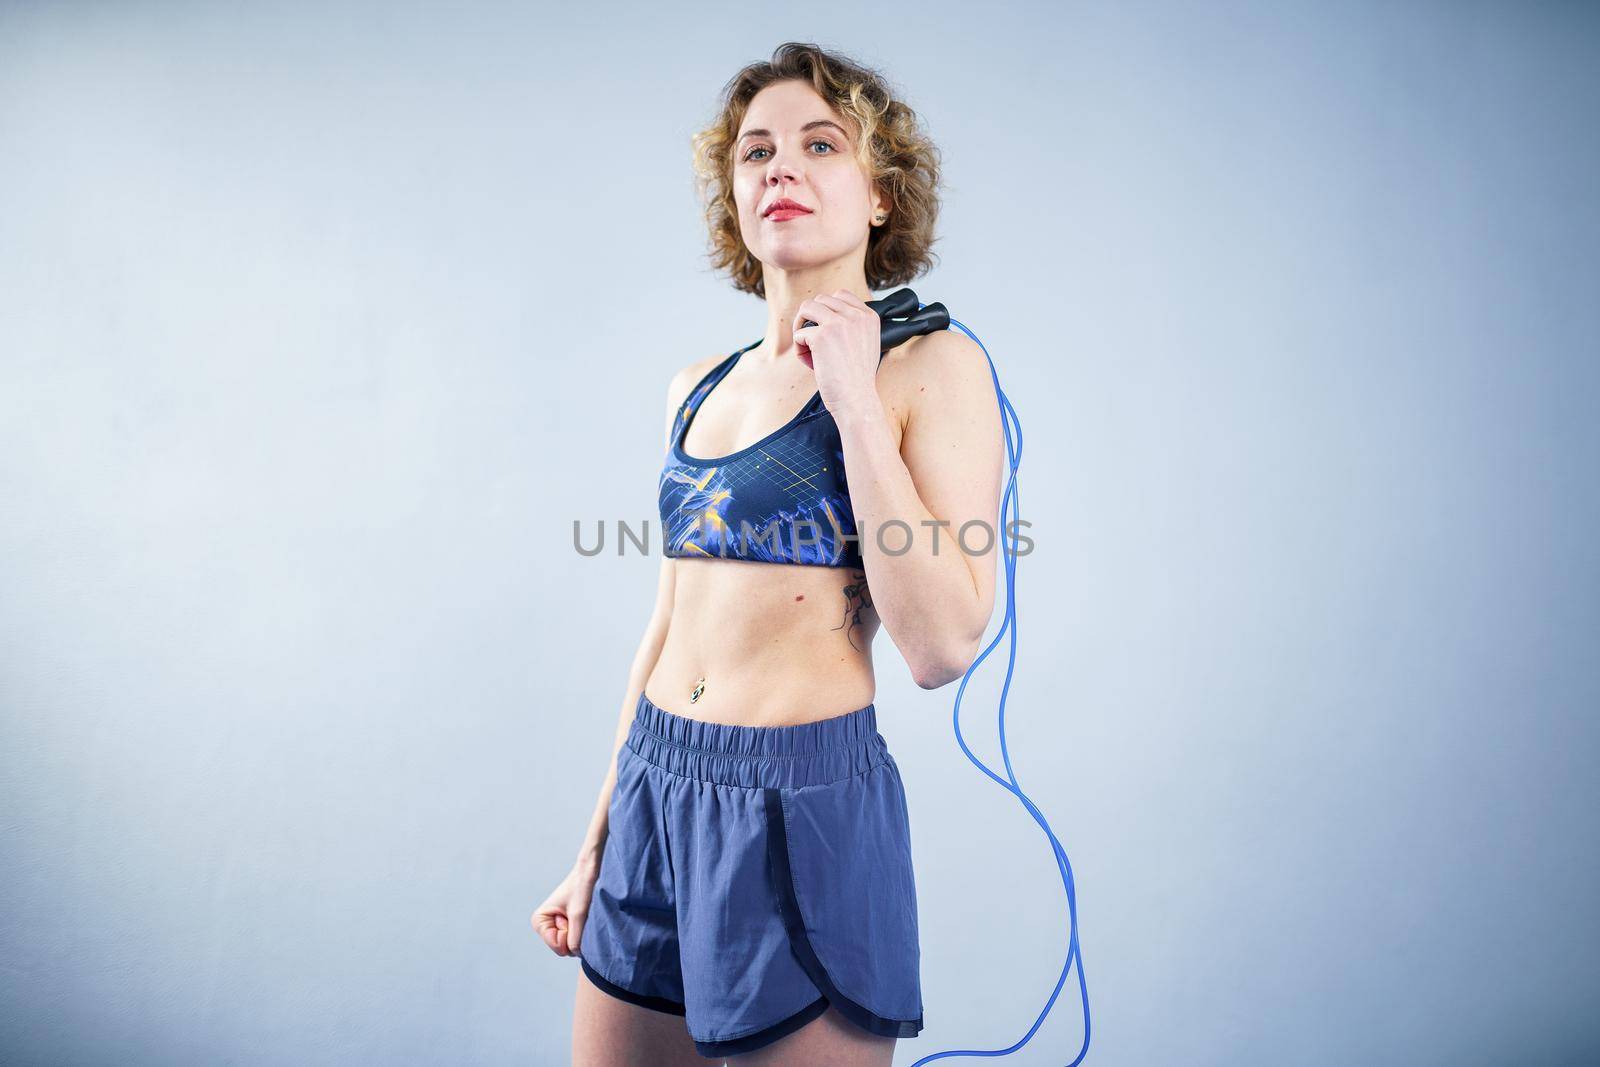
x=857 y=598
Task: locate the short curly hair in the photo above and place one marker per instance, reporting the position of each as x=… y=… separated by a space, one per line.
x=891 y=146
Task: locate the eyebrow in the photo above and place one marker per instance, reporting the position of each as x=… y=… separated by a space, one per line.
x=808 y=126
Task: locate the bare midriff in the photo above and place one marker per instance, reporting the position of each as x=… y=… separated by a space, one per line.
x=766 y=644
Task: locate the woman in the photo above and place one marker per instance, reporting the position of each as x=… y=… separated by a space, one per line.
x=745 y=888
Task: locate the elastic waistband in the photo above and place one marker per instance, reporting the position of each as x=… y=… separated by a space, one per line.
x=780 y=757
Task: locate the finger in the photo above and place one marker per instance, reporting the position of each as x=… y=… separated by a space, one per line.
x=848 y=306
x=814 y=310
x=551 y=927
x=803 y=345
x=575 y=935
x=803 y=336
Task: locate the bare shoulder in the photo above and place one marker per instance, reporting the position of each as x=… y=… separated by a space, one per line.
x=683 y=380
x=686 y=377
x=947 y=352
x=937 y=370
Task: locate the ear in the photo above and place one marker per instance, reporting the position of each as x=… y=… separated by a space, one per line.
x=880 y=202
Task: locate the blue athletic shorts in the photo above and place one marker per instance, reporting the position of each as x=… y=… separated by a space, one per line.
x=754 y=875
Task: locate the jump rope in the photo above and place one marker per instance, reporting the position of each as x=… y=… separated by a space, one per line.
x=905 y=317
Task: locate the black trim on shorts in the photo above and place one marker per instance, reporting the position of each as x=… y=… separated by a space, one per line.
x=778 y=857
x=671 y=1007
x=763 y=1038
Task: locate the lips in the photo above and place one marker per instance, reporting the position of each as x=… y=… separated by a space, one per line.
x=785 y=208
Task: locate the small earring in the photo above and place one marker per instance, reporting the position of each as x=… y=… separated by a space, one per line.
x=879 y=218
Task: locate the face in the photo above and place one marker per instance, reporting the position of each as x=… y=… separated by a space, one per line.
x=792 y=145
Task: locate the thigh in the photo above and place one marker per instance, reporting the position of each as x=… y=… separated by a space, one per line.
x=607 y=1032
x=830 y=1040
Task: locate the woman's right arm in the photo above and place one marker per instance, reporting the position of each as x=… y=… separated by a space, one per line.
x=644 y=661
x=560 y=919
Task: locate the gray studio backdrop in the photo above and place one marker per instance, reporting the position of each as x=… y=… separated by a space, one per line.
x=320 y=324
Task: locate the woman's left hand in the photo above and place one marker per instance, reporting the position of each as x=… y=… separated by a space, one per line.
x=842 y=349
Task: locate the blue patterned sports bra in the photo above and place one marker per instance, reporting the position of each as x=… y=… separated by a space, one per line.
x=783 y=499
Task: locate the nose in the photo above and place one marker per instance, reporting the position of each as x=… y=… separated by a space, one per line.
x=780 y=170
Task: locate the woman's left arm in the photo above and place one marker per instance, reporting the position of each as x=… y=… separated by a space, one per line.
x=936 y=596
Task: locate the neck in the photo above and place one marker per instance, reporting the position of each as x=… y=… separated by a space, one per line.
x=787 y=289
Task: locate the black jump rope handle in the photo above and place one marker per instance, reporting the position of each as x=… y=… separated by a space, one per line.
x=902 y=320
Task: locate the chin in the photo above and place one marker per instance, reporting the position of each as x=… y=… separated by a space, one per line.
x=797 y=256
x=791 y=262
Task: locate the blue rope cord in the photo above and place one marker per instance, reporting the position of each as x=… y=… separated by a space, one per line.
x=1008 y=416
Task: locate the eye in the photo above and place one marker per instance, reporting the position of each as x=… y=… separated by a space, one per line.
x=750 y=156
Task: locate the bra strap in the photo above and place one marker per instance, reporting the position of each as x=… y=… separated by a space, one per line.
x=702 y=388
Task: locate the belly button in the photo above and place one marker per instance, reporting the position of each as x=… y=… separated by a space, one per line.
x=699 y=687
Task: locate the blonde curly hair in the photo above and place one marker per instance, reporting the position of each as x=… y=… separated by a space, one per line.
x=891 y=147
